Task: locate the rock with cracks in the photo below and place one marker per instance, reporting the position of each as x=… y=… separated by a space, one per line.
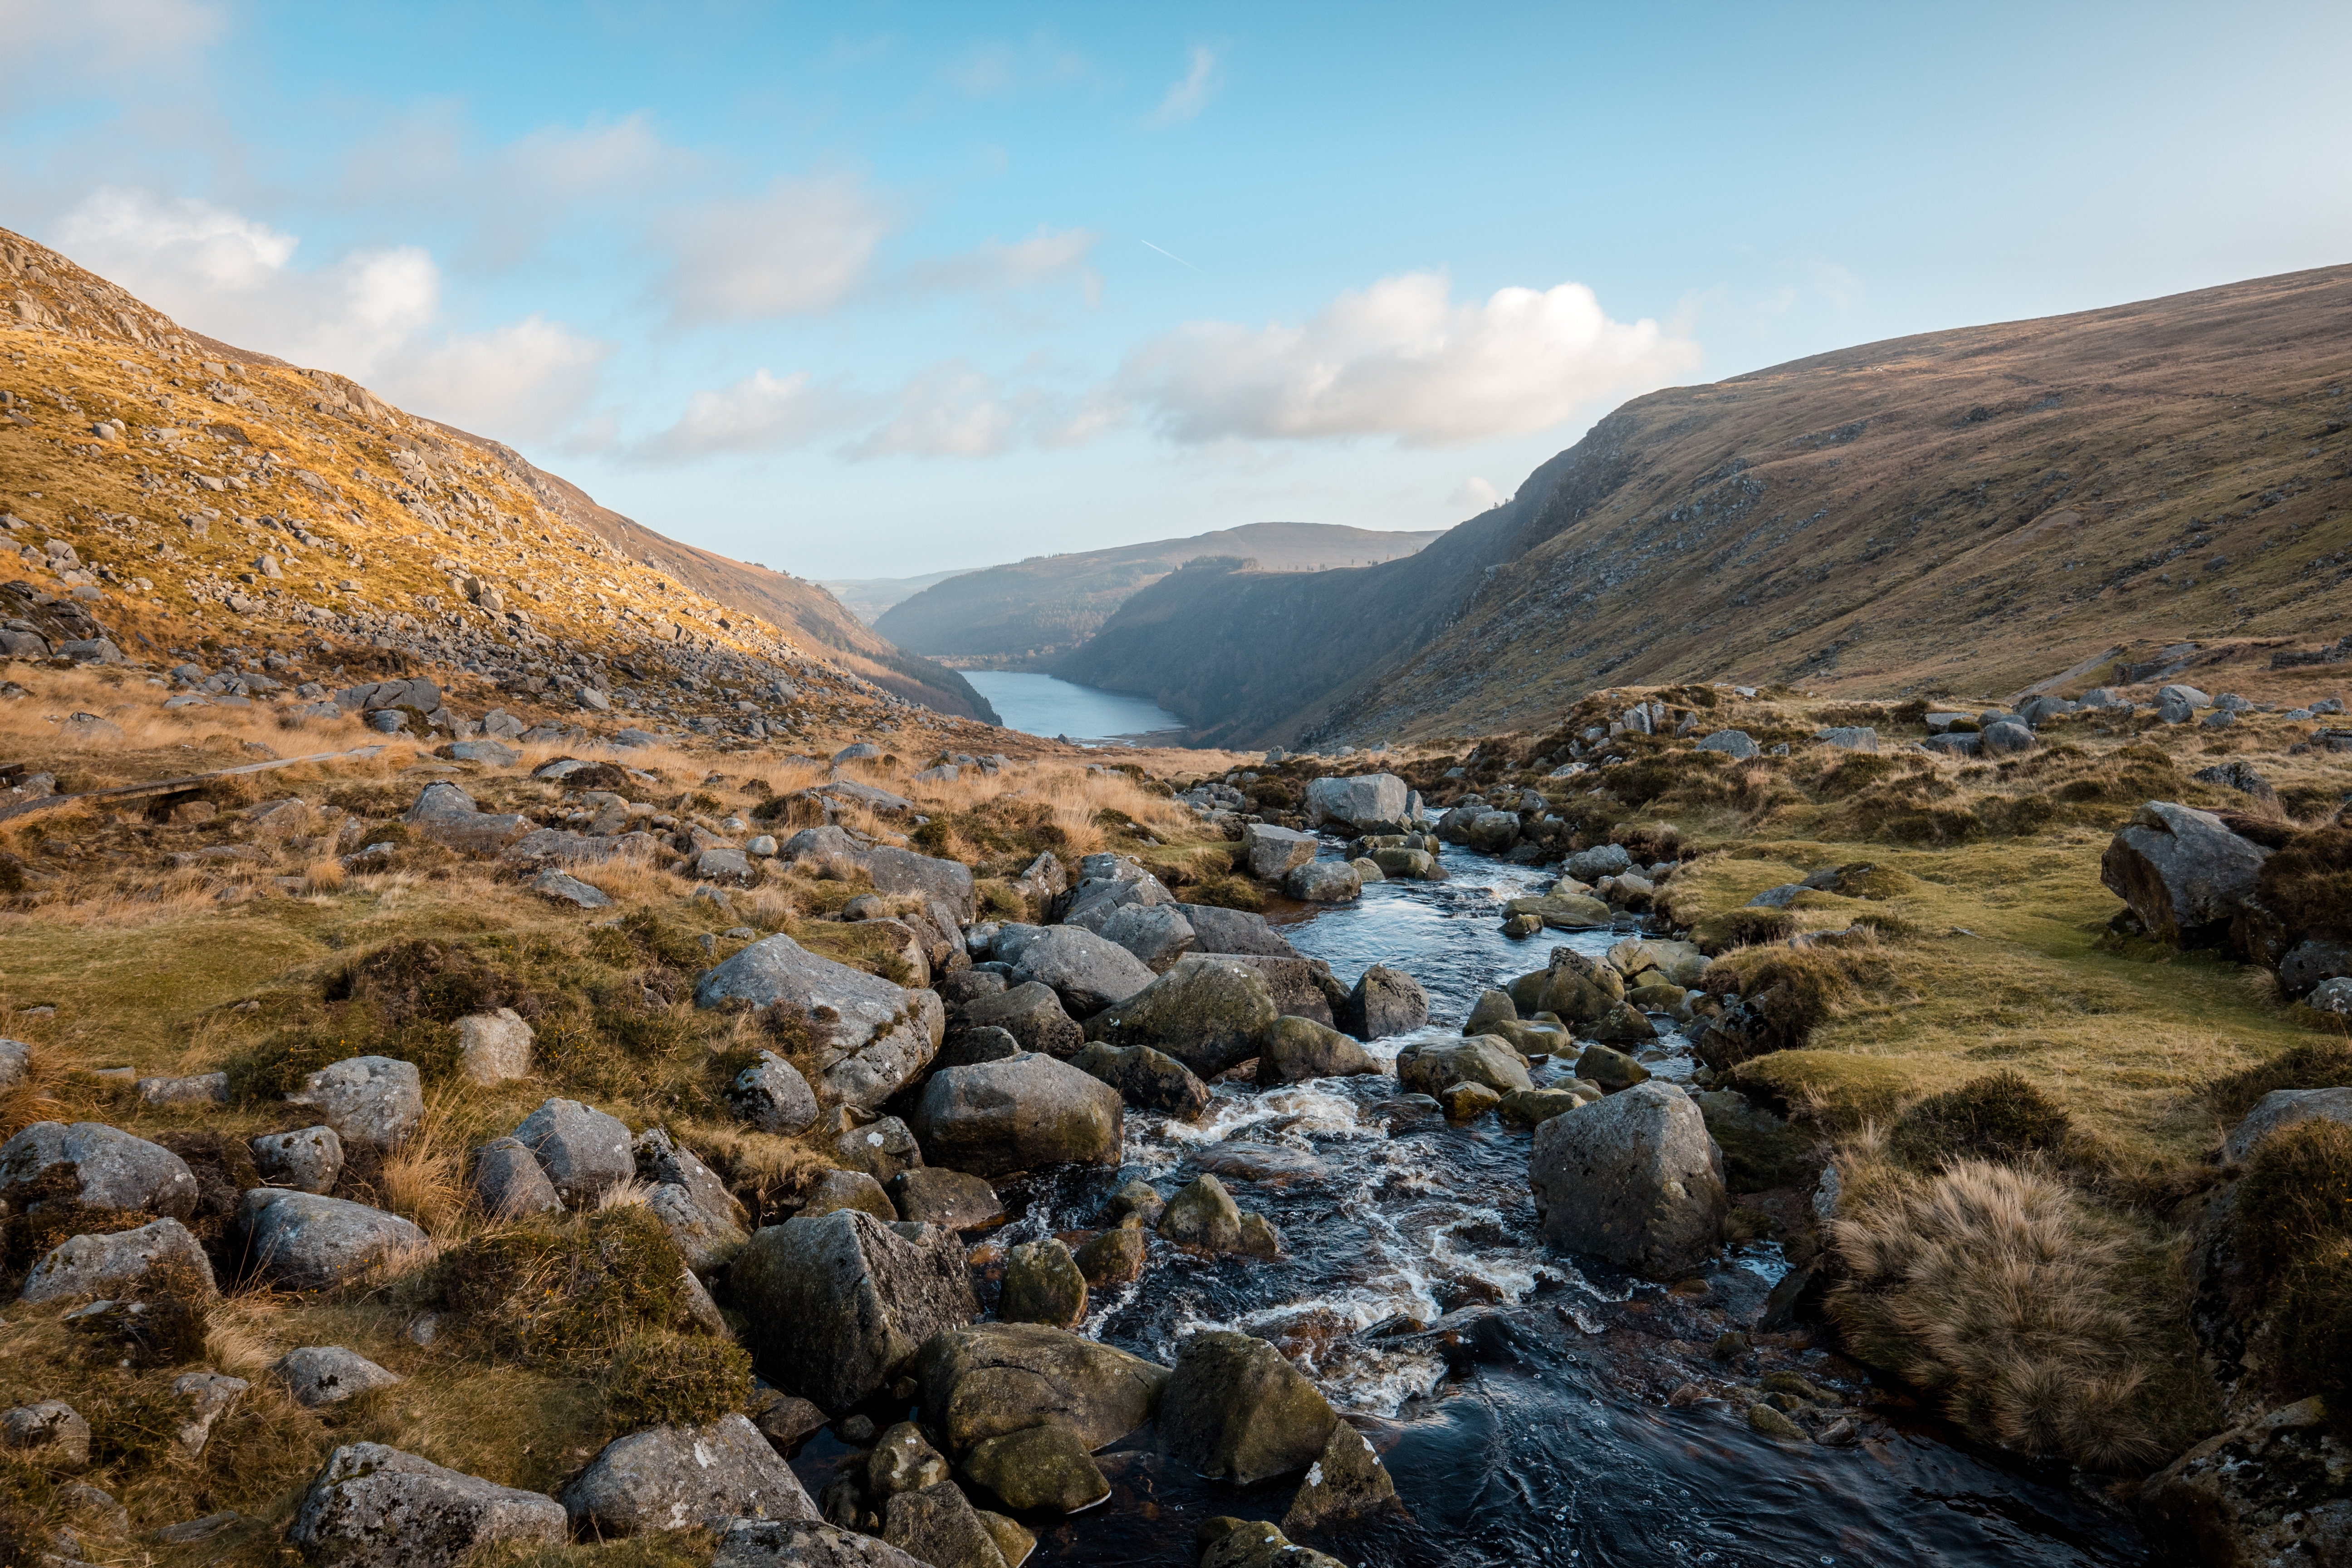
x=990 y=1379
x=839 y=1305
x=671 y=1477
x=1634 y=1179
x=1207 y=1012
x=2182 y=871
x=375 y=1506
x=873 y=1036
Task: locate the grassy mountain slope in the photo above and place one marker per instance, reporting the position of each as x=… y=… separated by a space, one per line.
x=868 y=597
x=1020 y=616
x=1971 y=510
x=206 y=431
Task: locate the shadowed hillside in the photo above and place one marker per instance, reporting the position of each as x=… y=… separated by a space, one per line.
x=1974 y=509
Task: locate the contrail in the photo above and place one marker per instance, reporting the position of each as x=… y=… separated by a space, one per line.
x=1172 y=256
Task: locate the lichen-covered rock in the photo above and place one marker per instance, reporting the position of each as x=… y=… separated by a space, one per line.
x=1043 y=1467
x=1146 y=1079
x=48 y=1432
x=584 y=1152
x=2182 y=871
x=956 y=1199
x=373 y=1506
x=771 y=1096
x=839 y=1305
x=1027 y=1111
x=671 y=1477
x=118 y=1261
x=1368 y=803
x=494 y=1046
x=1634 y=1179
x=1207 y=1012
x=1610 y=1068
x=1086 y=972
x=1384 y=1002
x=371 y=1101
x=1228 y=1542
x=510 y=1182
x=903 y=1460
x=838 y=1190
x=876 y=1036
x=1295 y=1049
x=990 y=1379
x=1345 y=1484
x=1216 y=930
x=792 y=1543
x=1030 y=1013
x=1324 y=882
x=93 y=1167
x=1235 y=1408
x=308 y=1159
x=1116 y=1257
x=1043 y=1284
x=885 y=1149
x=2278 y=1490
x=204 y=1398
x=937 y=1525
x=303 y=1241
x=320 y=1375
x=1159 y=934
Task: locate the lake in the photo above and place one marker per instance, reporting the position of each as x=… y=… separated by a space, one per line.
x=1044 y=705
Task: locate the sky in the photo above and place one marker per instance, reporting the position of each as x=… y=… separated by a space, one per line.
x=880 y=291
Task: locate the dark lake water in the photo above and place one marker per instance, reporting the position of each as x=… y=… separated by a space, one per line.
x=1047 y=705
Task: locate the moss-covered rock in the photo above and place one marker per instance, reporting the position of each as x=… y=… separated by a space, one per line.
x=990 y=1379
x=1043 y=1284
x=1431 y=1067
x=1043 y=1467
x=1235 y=1408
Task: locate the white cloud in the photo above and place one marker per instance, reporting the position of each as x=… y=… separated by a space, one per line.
x=801 y=246
x=1475 y=494
x=950 y=410
x=1046 y=256
x=521 y=382
x=113 y=37
x=232 y=278
x=993 y=69
x=1190 y=93
x=1401 y=359
x=760 y=413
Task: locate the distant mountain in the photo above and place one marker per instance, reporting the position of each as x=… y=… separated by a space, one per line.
x=868 y=597
x=1022 y=615
x=1966 y=510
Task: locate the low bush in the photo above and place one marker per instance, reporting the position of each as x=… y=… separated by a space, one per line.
x=667 y=1379
x=2308 y=881
x=2001 y=1116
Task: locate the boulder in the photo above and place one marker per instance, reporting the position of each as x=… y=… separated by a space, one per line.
x=791 y=1543
x=1146 y=1079
x=584 y=1152
x=192 y=1088
x=1384 y=1002
x=902 y=872
x=771 y=1096
x=1849 y=737
x=1492 y=1008
x=1156 y=933
x=969 y=1047
x=1218 y=930
x=1611 y=1069
x=2182 y=871
x=839 y=1305
x=2283 y=1107
x=1269 y=853
x=320 y=1375
x=1346 y=1483
x=122 y=1261
x=1204 y=1216
x=371 y=1101
x=2269 y=1491
x=673 y=1477
x=1736 y=744
x=1466 y=1101
x=1295 y=1049
x=308 y=1159
x=883 y=1149
x=2005 y=738
x=693 y=1205
x=372 y=1506
x=1226 y=1542
x=49 y=1433
x=1575 y=989
x=1300 y=987
x=1601 y=860
x=447 y=815
x=1043 y=1467
x=990 y=1379
x=1235 y=1408
x=1043 y=1284
x=2178 y=704
x=903 y=1460
x=1086 y=972
x=1207 y=1012
x=510 y=1182
x=1533 y=1107
x=873 y=1036
x=2312 y=963
x=937 y=1525
x=1431 y=1067
x=1634 y=1179
x=956 y=1199
x=1370 y=803
x=1032 y=1014
x=494 y=1046
x=1323 y=882
x=303 y=1241
x=1115 y=1257
x=838 y=1190
x=93 y=1167
x=1026 y=1112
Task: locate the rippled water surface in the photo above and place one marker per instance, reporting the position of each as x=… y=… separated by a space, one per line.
x=1517 y=1395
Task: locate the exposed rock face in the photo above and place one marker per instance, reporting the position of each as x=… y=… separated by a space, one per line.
x=2182 y=871
x=990 y=1379
x=839 y=1304
x=1371 y=802
x=877 y=1035
x=1234 y=1407
x=669 y=1478
x=584 y=1152
x=375 y=1506
x=305 y=1242
x=1017 y=1114
x=2272 y=1491
x=1147 y=1080
x=103 y=1167
x=1207 y=1012
x=376 y=1102
x=120 y=1261
x=2279 y=1109
x=1634 y=1179
x=1086 y=972
x=1384 y=1002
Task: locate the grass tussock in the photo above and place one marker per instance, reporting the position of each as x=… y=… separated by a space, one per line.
x=662 y=1380
x=2311 y=1064
x=2297 y=1197
x=2000 y=1117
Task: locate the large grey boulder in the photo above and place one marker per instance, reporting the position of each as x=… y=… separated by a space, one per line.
x=874 y=1035
x=584 y=1152
x=320 y=1375
x=1146 y=1079
x=2178 y=704
x=447 y=815
x=1216 y=930
x=303 y=1241
x=1032 y=1014
x=672 y=1477
x=839 y=1305
x=121 y=1261
x=990 y=1379
x=2005 y=738
x=902 y=871
x=1235 y=1408
x=308 y=1159
x=1156 y=933
x=1018 y=1114
x=373 y=1506
x=93 y=1167
x=936 y=1524
x=1384 y=1002
x=838 y=1190
x=1324 y=882
x=772 y=1095
x=1268 y=853
x=1207 y=1012
x=509 y=1181
x=1601 y=860
x=1370 y=803
x=791 y=1543
x=956 y=1199
x=1849 y=737
x=882 y=1148
x=371 y=1101
x=2182 y=871
x=1086 y=972
x=2278 y=1109
x=1634 y=1179
x=1108 y=884
x=1300 y=987
x=1737 y=744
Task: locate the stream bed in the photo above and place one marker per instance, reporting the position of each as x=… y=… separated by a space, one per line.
x=1517 y=1395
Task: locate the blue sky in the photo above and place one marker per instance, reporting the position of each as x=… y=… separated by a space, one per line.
x=878 y=290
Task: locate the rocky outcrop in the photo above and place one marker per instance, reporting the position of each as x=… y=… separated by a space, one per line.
x=375 y=1506
x=2182 y=871
x=874 y=1037
x=1634 y=1179
x=1017 y=1114
x=839 y=1305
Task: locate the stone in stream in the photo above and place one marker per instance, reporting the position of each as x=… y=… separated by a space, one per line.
x=1431 y=1067
x=1139 y=1199
x=308 y=1159
x=1467 y=1101
x=1226 y=1542
x=1116 y=1257
x=1270 y=853
x=1043 y=1284
x=1347 y=1483
x=369 y=1101
x=1573 y=988
x=674 y=1477
x=876 y=1036
x=1027 y=1111
x=1634 y=1179
x=372 y=1506
x=990 y=1379
x=937 y=1525
x=1611 y=1069
x=2182 y=871
x=957 y=1199
x=1492 y=1008
x=1209 y=1014
x=90 y=1165
x=839 y=1304
x=1206 y=1216
x=1032 y=1014
x=1146 y=1079
x=302 y=1241
x=1043 y=1467
x=1295 y=1049
x=1531 y=1107
x=1384 y=1002
x=1324 y=882
x=1235 y=1408
x=159 y=1255
x=1368 y=803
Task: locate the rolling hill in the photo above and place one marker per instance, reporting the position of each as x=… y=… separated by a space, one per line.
x=1966 y=510
x=1023 y=614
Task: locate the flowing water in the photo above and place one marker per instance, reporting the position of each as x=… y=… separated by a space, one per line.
x=1517 y=1397
x=1047 y=705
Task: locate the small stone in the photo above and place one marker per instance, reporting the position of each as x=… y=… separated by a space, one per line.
x=319 y=1375
x=308 y=1159
x=509 y=1181
x=50 y=1432
x=771 y=1096
x=493 y=1047
x=838 y=1190
x=207 y=1396
x=1347 y=1483
x=1774 y=1425
x=1116 y=1257
x=1463 y=1101
x=563 y=888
